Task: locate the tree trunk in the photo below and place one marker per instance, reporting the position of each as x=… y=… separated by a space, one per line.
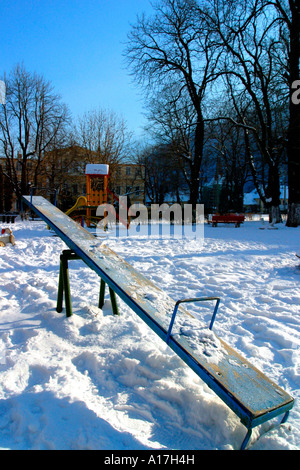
x=293 y=215
x=195 y=167
x=294 y=168
x=273 y=193
x=274 y=215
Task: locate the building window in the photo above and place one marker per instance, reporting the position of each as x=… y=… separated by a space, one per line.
x=128 y=170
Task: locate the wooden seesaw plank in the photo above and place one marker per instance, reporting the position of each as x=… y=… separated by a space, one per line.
x=245 y=389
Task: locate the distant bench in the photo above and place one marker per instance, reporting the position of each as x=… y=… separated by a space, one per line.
x=235 y=219
x=253 y=397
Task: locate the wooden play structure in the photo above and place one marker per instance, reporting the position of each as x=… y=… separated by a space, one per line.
x=250 y=394
x=97 y=193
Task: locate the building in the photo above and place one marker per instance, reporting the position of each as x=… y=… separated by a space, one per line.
x=8 y=199
x=253 y=202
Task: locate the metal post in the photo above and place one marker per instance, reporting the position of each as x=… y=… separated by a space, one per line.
x=65 y=273
x=102 y=294
x=64 y=287
x=64 y=283
x=285 y=417
x=197 y=299
x=113 y=298
x=114 y=303
x=246 y=440
x=60 y=293
x=214 y=314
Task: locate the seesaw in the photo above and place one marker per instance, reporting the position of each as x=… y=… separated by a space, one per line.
x=252 y=396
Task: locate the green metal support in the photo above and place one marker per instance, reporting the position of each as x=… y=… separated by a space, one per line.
x=64 y=286
x=64 y=283
x=113 y=298
x=60 y=293
x=102 y=294
x=114 y=303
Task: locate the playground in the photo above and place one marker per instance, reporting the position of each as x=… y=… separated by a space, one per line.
x=100 y=381
x=84 y=211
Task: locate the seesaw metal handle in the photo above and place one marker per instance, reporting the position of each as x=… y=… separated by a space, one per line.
x=196 y=299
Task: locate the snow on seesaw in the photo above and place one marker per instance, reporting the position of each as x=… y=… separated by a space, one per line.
x=96 y=381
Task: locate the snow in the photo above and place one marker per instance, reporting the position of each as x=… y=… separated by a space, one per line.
x=96 y=381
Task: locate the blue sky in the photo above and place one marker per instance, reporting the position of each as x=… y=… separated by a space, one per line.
x=78 y=46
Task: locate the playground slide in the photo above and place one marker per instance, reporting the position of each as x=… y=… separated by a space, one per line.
x=81 y=201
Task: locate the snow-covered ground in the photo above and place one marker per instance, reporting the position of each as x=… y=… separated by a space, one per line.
x=96 y=381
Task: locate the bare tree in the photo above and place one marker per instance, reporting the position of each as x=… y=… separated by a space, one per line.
x=226 y=145
x=61 y=156
x=288 y=19
x=30 y=121
x=262 y=39
x=251 y=76
x=51 y=119
x=172 y=125
x=163 y=176
x=175 y=46
x=104 y=138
